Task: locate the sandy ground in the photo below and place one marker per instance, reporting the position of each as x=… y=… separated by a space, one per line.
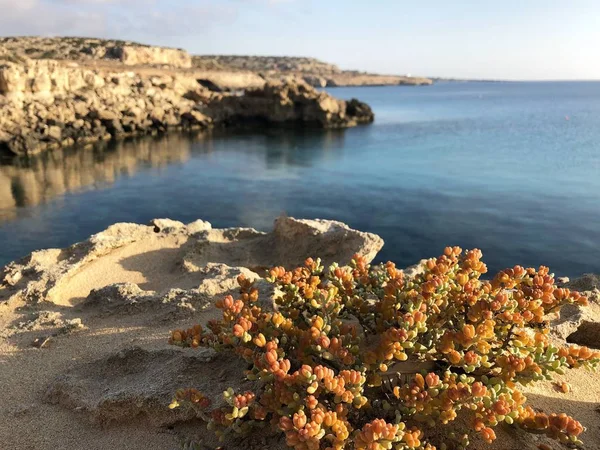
x=154 y=263
x=28 y=423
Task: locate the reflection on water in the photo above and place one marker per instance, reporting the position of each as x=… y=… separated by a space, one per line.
x=29 y=182
x=503 y=171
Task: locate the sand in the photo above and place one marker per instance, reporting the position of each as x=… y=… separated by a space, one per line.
x=28 y=423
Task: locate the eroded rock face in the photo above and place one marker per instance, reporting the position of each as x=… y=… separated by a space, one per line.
x=314 y=72
x=214 y=257
x=580 y=324
x=289 y=244
x=34 y=278
x=87 y=49
x=587 y=334
x=589 y=282
x=213 y=280
x=288 y=103
x=47 y=104
x=229 y=81
x=141 y=55
x=193 y=265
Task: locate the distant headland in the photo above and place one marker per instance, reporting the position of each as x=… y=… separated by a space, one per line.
x=65 y=91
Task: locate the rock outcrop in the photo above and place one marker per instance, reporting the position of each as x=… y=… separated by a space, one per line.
x=366 y=79
x=91 y=49
x=84 y=332
x=215 y=257
x=224 y=81
x=227 y=71
x=580 y=324
x=280 y=64
x=99 y=314
x=287 y=104
x=312 y=71
x=139 y=384
x=46 y=104
x=140 y=55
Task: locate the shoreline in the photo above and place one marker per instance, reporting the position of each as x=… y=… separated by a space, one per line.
x=47 y=105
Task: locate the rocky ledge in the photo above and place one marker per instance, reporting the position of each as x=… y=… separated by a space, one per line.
x=90 y=49
x=47 y=104
x=314 y=72
x=84 y=331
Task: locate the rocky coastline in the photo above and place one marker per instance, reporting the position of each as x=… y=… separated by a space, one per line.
x=49 y=104
x=61 y=92
x=312 y=71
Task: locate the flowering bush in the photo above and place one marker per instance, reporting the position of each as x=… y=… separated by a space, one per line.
x=363 y=357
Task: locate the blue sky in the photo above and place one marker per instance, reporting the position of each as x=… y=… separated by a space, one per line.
x=526 y=39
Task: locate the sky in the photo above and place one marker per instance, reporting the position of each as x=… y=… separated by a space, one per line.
x=525 y=39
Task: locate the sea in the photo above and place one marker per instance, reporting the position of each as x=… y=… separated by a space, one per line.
x=510 y=168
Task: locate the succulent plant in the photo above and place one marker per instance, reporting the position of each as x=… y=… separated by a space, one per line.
x=363 y=357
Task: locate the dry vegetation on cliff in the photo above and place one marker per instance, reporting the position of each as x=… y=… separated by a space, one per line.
x=315 y=72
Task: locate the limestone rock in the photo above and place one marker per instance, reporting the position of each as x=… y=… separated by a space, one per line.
x=414 y=270
x=587 y=282
x=587 y=334
x=85 y=49
x=330 y=240
x=142 y=55
x=356 y=108
x=214 y=280
x=39 y=273
x=48 y=104
x=570 y=318
x=289 y=244
x=580 y=324
x=220 y=81
x=315 y=80
x=287 y=103
x=215 y=257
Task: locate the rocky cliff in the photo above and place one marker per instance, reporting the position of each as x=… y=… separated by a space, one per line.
x=284 y=64
x=89 y=49
x=230 y=71
x=312 y=71
x=49 y=104
x=287 y=103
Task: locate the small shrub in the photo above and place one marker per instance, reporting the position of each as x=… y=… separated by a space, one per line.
x=362 y=357
x=50 y=54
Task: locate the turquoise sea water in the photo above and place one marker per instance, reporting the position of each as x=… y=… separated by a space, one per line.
x=511 y=168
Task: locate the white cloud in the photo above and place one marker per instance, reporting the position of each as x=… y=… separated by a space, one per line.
x=40 y=17
x=126 y=19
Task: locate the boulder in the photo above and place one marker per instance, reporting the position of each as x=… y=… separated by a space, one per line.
x=213 y=257
x=356 y=108
x=287 y=103
x=142 y=55
x=315 y=80
x=289 y=244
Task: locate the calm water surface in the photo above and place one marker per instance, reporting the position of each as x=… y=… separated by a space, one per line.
x=511 y=168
